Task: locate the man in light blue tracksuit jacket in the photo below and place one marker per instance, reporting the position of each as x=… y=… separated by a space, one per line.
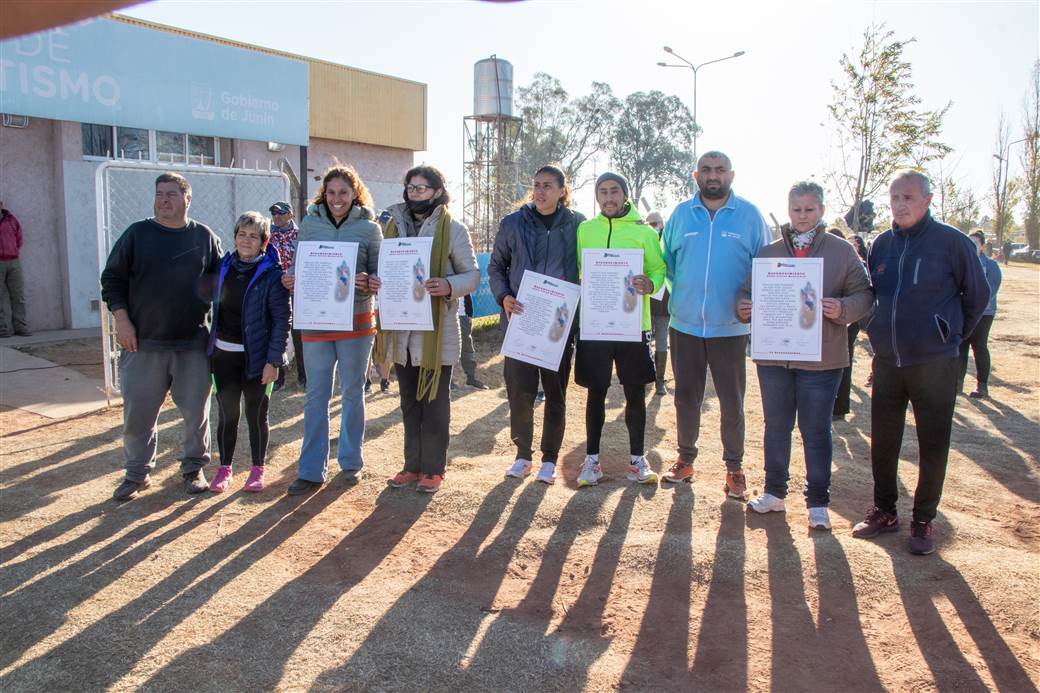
x=709 y=243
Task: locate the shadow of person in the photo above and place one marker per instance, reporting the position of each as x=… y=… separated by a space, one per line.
x=132 y=630
x=480 y=433
x=585 y=632
x=62 y=590
x=1012 y=469
x=661 y=651
x=301 y=602
x=720 y=659
x=423 y=637
x=924 y=581
x=836 y=643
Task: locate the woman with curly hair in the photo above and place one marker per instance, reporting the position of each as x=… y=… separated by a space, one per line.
x=342 y=212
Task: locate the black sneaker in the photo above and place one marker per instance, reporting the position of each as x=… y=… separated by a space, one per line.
x=368 y=386
x=384 y=385
x=981 y=392
x=195 y=482
x=876 y=522
x=128 y=490
x=921 y=543
x=302 y=487
x=476 y=384
x=351 y=478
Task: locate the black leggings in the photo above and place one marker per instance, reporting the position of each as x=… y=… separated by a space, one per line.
x=635 y=418
x=978 y=340
x=229 y=369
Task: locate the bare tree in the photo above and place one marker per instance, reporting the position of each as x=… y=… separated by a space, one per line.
x=1031 y=158
x=1005 y=188
x=952 y=201
x=560 y=130
x=875 y=113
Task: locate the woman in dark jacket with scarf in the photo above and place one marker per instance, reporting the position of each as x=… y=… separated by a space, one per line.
x=247 y=344
x=541 y=236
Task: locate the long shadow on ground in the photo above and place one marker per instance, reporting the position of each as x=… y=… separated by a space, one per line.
x=661 y=652
x=720 y=661
x=831 y=655
x=100 y=654
x=920 y=582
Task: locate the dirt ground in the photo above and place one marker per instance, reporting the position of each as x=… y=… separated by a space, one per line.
x=498 y=585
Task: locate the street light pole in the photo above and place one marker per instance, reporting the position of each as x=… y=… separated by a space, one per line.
x=1003 y=171
x=694 y=68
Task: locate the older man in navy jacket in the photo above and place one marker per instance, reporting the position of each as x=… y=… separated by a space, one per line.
x=930 y=292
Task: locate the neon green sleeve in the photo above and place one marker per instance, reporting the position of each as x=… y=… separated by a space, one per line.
x=653 y=259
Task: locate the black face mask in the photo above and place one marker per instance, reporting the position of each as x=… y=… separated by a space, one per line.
x=420 y=206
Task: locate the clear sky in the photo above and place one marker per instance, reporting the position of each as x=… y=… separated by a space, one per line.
x=764 y=109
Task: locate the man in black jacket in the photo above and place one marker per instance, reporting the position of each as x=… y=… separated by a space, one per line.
x=155 y=286
x=930 y=291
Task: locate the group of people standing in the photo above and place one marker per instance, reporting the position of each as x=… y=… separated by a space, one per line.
x=919 y=294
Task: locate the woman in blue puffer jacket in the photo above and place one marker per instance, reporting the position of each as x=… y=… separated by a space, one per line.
x=247 y=343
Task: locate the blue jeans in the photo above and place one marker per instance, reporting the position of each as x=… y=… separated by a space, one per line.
x=320 y=358
x=810 y=395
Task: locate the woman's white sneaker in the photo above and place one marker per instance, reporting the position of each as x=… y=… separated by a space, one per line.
x=590 y=472
x=640 y=471
x=519 y=469
x=819 y=518
x=547 y=473
x=767 y=503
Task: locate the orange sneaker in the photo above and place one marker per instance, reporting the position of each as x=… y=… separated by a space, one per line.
x=430 y=483
x=736 y=486
x=680 y=471
x=403 y=479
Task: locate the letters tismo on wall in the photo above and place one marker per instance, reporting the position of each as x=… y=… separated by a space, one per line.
x=104 y=71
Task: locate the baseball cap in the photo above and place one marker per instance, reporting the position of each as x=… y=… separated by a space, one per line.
x=281 y=208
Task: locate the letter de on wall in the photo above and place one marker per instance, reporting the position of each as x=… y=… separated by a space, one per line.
x=103 y=71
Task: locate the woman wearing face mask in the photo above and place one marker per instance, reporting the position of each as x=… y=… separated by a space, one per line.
x=806 y=389
x=423 y=360
x=341 y=211
x=247 y=344
x=541 y=236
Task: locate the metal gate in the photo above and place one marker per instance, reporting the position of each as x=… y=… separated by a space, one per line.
x=126 y=192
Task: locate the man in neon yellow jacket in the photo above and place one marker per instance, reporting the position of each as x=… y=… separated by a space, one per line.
x=619 y=226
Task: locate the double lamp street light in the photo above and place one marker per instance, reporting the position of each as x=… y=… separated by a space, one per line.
x=690 y=66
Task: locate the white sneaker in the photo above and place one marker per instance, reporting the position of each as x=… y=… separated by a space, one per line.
x=819 y=518
x=519 y=469
x=640 y=471
x=547 y=473
x=767 y=503
x=590 y=472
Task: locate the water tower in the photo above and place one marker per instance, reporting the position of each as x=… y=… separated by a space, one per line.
x=491 y=138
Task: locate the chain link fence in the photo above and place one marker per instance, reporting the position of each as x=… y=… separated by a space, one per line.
x=126 y=193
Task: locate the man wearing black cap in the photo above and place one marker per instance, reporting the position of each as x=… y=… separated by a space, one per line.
x=283 y=237
x=618 y=225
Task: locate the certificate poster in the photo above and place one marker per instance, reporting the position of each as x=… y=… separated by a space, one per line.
x=323 y=298
x=404 y=267
x=539 y=335
x=786 y=317
x=611 y=308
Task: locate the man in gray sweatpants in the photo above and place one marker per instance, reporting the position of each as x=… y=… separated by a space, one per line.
x=156 y=283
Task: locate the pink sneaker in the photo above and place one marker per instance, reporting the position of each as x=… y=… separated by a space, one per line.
x=255 y=482
x=221 y=479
